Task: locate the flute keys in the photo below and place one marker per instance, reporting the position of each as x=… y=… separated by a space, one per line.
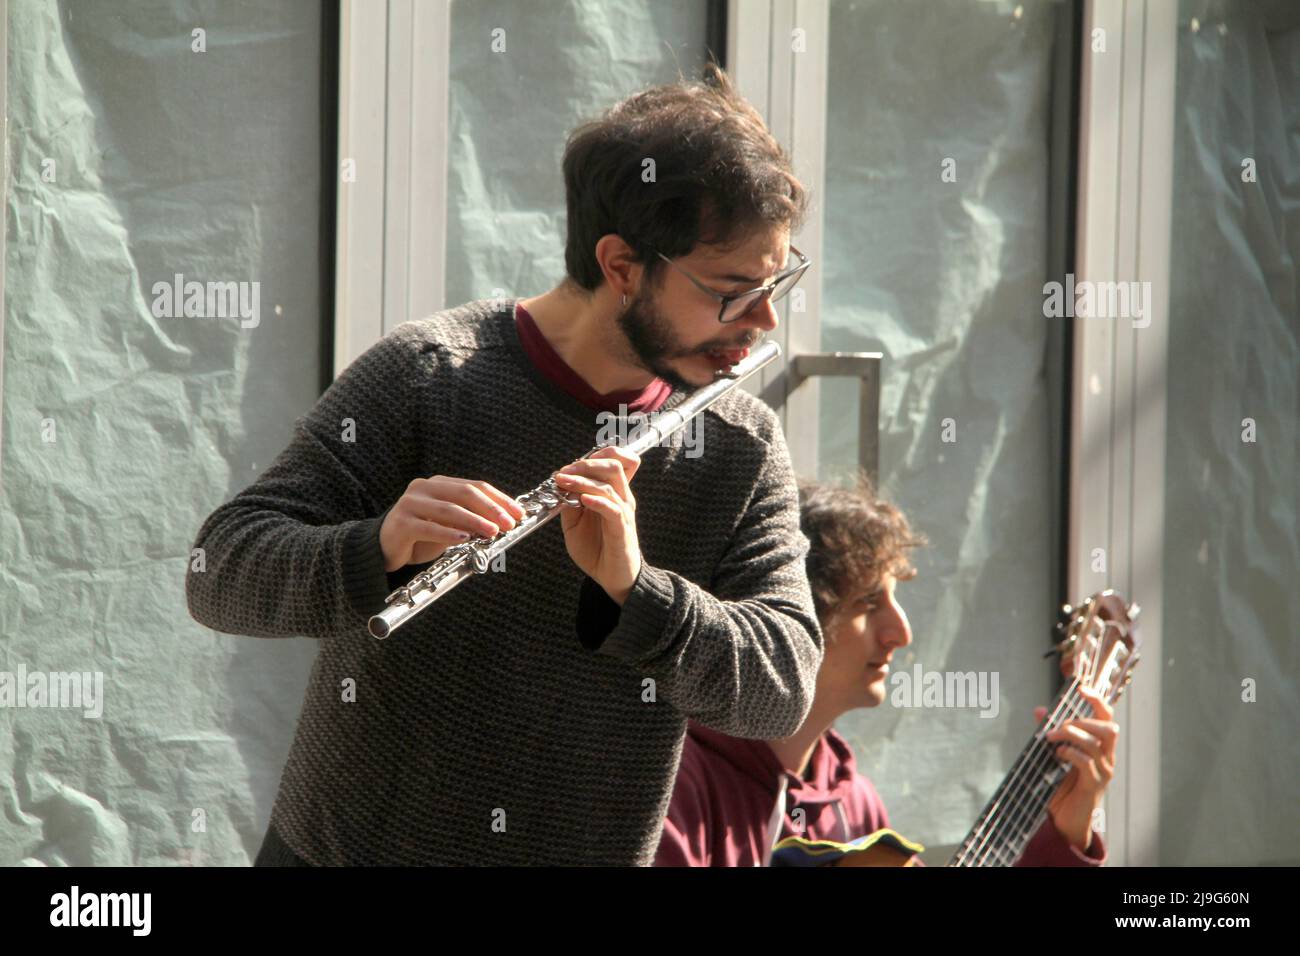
x=449 y=570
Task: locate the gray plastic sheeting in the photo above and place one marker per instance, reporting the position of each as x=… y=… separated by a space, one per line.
x=945 y=278
x=563 y=61
x=1230 y=790
x=165 y=160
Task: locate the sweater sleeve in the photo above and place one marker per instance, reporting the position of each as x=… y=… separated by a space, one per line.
x=297 y=552
x=743 y=659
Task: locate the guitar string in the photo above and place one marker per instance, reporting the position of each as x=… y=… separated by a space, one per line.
x=976 y=844
x=1037 y=757
x=1041 y=775
x=1048 y=768
x=1021 y=798
x=1039 y=764
x=1030 y=797
x=979 y=845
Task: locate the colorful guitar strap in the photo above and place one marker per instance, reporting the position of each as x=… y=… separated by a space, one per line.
x=798 y=851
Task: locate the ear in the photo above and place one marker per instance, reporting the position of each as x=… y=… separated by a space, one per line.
x=618 y=264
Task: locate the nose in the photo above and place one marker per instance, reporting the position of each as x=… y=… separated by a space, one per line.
x=893 y=630
x=762 y=316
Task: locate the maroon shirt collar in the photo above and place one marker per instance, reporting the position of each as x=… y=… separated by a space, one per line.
x=550 y=364
x=832 y=763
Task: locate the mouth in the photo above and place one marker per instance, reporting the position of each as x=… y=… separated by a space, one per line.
x=725 y=358
x=882 y=666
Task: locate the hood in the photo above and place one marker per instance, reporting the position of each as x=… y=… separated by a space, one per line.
x=832 y=765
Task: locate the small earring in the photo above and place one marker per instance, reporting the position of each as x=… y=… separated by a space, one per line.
x=624 y=298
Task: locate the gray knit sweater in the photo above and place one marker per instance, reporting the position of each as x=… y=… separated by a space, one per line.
x=525 y=718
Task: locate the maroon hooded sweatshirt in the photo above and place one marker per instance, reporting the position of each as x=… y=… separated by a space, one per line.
x=723 y=804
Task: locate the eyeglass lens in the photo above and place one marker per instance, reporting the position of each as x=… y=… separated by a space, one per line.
x=738 y=308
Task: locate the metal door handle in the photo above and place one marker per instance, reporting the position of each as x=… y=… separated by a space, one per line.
x=865 y=366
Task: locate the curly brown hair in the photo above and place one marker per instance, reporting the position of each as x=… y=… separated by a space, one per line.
x=719 y=176
x=855 y=538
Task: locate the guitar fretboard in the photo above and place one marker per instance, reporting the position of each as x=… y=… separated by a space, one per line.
x=1019 y=805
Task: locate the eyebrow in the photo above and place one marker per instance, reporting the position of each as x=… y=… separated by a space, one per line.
x=733 y=277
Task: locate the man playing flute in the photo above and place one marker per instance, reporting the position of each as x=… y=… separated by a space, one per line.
x=537 y=716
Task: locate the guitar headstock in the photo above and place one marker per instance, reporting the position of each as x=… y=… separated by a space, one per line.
x=1099 y=643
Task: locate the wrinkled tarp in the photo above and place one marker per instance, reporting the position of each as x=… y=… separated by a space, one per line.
x=1230 y=793
x=165 y=160
x=945 y=278
x=563 y=62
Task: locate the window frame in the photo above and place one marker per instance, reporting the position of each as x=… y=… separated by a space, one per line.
x=4 y=210
x=790 y=91
x=1118 y=399
x=393 y=118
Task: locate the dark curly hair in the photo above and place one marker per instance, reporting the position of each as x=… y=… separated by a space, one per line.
x=719 y=176
x=854 y=539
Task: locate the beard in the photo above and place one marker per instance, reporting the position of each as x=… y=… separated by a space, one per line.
x=654 y=342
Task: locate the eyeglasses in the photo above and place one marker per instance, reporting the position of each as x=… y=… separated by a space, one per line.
x=738 y=306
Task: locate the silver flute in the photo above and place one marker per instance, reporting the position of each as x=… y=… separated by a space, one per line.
x=544 y=502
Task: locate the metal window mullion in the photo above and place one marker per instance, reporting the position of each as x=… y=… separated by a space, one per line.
x=399 y=105
x=1150 y=365
x=1121 y=800
x=359 y=275
x=4 y=208
x=749 y=39
x=1100 y=134
x=790 y=90
x=1117 y=490
x=1099 y=145
x=809 y=104
x=749 y=64
x=802 y=443
x=429 y=144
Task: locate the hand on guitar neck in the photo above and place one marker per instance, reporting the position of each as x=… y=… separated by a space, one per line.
x=1064 y=770
x=1088 y=745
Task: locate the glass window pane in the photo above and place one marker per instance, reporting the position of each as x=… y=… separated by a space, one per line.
x=145 y=155
x=522 y=76
x=936 y=218
x=1229 y=699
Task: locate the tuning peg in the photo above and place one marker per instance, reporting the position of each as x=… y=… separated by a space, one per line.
x=1062 y=647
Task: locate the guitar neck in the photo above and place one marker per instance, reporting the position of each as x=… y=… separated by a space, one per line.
x=1019 y=805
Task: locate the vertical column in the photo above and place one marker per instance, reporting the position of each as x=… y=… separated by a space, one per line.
x=777 y=55
x=359 y=271
x=1117 y=446
x=393 y=118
